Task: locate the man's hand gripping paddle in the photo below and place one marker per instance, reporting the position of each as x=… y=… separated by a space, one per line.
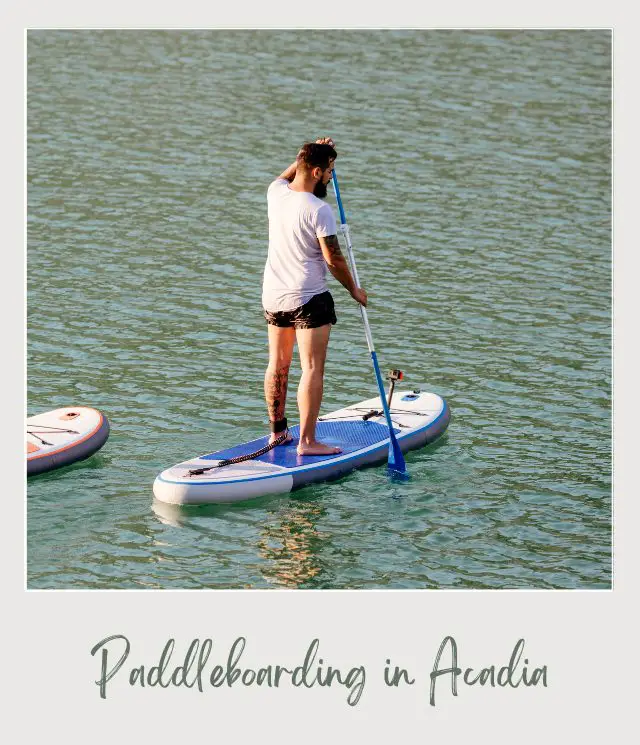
x=396 y=460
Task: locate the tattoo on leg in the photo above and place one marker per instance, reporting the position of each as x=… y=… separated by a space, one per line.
x=276 y=392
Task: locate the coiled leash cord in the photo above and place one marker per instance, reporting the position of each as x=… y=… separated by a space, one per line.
x=241 y=458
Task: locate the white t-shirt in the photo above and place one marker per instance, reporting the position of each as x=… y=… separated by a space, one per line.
x=295 y=270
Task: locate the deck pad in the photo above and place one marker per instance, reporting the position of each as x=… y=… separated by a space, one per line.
x=350 y=436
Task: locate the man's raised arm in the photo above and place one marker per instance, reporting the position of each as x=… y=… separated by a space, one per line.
x=290 y=172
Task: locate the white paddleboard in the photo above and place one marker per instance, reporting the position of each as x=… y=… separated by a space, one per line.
x=63 y=436
x=418 y=417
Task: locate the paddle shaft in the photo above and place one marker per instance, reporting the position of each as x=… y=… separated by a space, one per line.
x=352 y=261
x=395 y=454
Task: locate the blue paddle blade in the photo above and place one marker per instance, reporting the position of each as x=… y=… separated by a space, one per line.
x=395 y=461
x=397 y=476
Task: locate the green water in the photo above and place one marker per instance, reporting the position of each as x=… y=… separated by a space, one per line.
x=475 y=168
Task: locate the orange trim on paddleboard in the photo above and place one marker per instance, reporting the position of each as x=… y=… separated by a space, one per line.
x=76 y=442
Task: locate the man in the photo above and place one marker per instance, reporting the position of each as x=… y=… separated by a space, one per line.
x=297 y=305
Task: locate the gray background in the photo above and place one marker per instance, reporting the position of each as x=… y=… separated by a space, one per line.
x=585 y=637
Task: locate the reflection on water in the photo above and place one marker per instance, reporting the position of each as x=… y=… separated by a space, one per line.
x=170 y=514
x=288 y=545
x=291 y=544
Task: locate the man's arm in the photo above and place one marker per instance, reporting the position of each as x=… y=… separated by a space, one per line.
x=339 y=267
x=290 y=173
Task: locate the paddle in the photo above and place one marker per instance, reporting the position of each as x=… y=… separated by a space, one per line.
x=396 y=460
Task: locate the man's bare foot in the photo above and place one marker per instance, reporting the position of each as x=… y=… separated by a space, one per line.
x=274 y=437
x=316 y=448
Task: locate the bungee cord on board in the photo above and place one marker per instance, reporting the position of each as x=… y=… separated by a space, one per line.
x=241 y=458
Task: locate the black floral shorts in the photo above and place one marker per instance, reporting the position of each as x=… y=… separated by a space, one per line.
x=319 y=311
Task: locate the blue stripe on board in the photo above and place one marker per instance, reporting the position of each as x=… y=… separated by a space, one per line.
x=350 y=436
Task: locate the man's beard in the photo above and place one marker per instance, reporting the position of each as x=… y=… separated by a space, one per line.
x=320 y=190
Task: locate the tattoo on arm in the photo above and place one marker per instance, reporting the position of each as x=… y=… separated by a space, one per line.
x=331 y=242
x=336 y=262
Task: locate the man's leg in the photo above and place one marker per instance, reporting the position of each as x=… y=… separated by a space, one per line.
x=312 y=346
x=281 y=341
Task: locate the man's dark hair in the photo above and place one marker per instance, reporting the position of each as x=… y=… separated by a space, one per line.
x=314 y=155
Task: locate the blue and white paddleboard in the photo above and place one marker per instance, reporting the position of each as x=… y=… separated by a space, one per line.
x=418 y=417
